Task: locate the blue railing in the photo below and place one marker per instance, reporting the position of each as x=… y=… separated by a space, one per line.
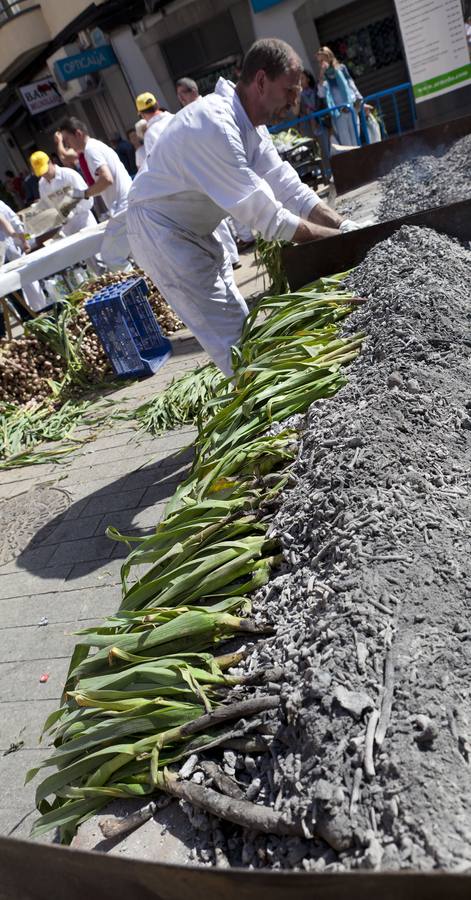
x=372 y=98
x=381 y=95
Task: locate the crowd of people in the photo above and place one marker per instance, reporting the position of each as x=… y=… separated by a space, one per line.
x=182 y=189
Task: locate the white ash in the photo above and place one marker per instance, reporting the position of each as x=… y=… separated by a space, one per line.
x=371 y=606
x=426 y=181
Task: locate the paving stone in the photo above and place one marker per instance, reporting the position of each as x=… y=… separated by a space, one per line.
x=64 y=606
x=72 y=530
x=88 y=549
x=103 y=573
x=34 y=560
x=20 y=679
x=22 y=720
x=23 y=584
x=112 y=503
x=18 y=798
x=34 y=643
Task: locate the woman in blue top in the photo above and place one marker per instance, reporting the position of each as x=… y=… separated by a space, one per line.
x=337 y=87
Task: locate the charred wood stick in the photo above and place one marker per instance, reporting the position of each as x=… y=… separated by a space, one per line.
x=113 y=828
x=247 y=745
x=239 y=812
x=224 y=713
x=225 y=784
x=368 y=763
x=386 y=705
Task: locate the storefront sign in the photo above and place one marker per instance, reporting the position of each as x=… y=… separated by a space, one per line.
x=85 y=63
x=436 y=46
x=41 y=95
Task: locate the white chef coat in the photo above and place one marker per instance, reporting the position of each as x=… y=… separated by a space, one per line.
x=140 y=156
x=81 y=216
x=155 y=127
x=98 y=154
x=211 y=161
x=32 y=292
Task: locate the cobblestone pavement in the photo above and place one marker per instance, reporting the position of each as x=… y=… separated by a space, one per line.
x=57 y=564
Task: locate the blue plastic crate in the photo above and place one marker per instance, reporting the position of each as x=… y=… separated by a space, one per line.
x=123 y=319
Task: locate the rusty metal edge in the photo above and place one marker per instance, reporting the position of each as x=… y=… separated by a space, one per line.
x=358 y=167
x=47 y=872
x=306 y=262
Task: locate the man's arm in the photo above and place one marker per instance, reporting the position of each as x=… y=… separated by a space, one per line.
x=310 y=231
x=67 y=157
x=17 y=236
x=321 y=214
x=104 y=179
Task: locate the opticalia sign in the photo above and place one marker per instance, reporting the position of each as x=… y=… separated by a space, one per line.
x=85 y=63
x=42 y=95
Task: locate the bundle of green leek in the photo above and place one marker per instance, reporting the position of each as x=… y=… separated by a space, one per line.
x=157 y=687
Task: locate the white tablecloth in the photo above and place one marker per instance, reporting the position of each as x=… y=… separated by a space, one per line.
x=52 y=258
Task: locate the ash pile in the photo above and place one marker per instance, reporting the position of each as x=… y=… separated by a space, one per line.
x=427 y=181
x=370 y=747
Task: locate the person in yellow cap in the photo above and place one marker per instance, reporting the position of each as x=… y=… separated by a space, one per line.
x=157 y=119
x=54 y=178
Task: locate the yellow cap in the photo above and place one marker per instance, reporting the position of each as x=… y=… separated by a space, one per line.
x=145 y=101
x=39 y=163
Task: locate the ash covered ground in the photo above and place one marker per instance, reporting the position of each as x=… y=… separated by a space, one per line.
x=426 y=181
x=371 y=745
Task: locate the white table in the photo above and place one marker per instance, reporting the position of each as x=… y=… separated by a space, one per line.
x=53 y=258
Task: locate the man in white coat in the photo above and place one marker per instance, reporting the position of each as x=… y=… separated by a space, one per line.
x=112 y=183
x=53 y=178
x=14 y=244
x=214 y=160
x=157 y=119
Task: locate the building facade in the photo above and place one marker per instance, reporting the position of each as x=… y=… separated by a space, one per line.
x=73 y=57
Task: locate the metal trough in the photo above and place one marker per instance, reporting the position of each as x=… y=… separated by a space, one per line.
x=306 y=262
x=360 y=166
x=32 y=871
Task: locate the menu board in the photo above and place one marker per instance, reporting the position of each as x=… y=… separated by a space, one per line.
x=436 y=45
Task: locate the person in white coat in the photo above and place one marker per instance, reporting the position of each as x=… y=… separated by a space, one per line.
x=112 y=183
x=12 y=245
x=215 y=159
x=53 y=178
x=187 y=92
x=157 y=119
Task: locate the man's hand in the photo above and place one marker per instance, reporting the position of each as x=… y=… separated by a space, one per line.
x=78 y=194
x=349 y=225
x=308 y=231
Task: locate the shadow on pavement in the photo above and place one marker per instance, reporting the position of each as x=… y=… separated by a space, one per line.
x=77 y=537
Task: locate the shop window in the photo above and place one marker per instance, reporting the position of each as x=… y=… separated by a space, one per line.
x=374 y=47
x=198 y=51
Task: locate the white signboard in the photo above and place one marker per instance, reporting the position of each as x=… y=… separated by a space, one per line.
x=41 y=95
x=434 y=36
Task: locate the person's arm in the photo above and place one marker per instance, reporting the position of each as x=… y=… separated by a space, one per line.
x=68 y=157
x=104 y=180
x=286 y=184
x=311 y=231
x=17 y=236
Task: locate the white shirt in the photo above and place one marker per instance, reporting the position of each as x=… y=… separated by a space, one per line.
x=155 y=127
x=140 y=156
x=212 y=161
x=67 y=177
x=98 y=154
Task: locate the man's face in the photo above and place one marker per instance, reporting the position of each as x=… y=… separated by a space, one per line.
x=280 y=95
x=186 y=95
x=51 y=171
x=74 y=140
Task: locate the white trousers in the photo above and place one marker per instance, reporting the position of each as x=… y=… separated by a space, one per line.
x=225 y=234
x=194 y=274
x=115 y=248
x=32 y=292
